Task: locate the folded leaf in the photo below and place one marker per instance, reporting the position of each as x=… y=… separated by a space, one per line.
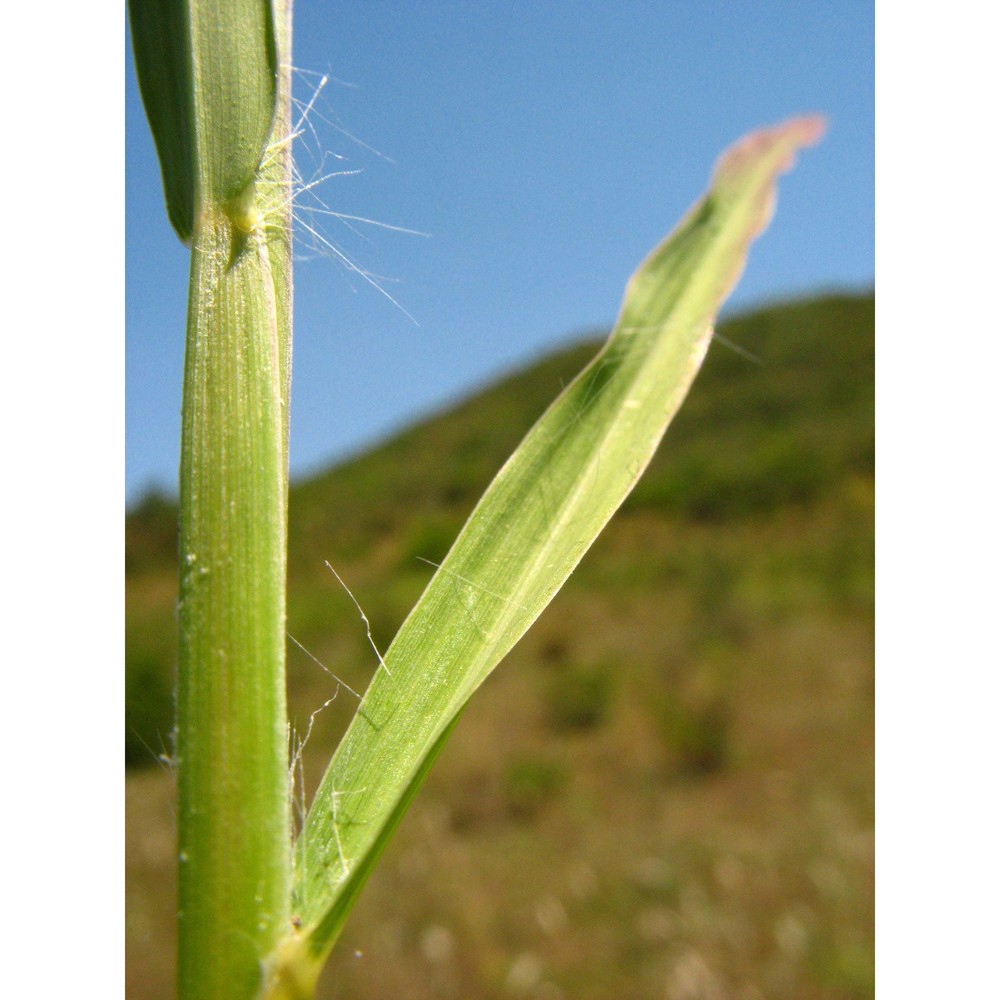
x=531 y=528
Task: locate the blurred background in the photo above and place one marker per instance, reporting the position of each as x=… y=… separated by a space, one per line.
x=667 y=788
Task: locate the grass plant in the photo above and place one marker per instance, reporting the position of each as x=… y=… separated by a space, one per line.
x=257 y=915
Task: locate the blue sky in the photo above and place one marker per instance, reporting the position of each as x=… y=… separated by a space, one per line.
x=546 y=147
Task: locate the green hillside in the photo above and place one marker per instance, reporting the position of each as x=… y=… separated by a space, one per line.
x=667 y=788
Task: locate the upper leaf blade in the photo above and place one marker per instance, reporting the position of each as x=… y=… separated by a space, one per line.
x=162 y=48
x=533 y=525
x=208 y=74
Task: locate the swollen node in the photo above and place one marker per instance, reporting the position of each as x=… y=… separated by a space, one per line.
x=242 y=211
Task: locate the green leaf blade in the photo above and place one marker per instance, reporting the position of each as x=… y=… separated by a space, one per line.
x=208 y=75
x=533 y=525
x=162 y=51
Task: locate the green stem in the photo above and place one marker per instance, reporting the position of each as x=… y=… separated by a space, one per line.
x=233 y=816
x=215 y=79
x=233 y=784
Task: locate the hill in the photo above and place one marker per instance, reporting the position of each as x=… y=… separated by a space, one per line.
x=667 y=788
